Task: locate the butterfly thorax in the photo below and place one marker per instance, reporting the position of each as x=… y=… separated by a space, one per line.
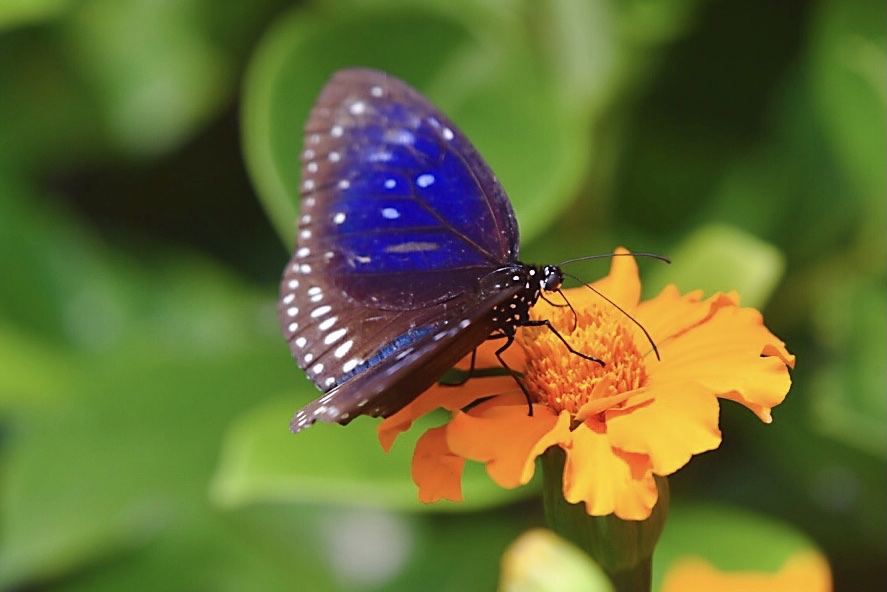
x=528 y=282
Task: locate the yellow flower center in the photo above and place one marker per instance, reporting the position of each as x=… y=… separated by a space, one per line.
x=566 y=381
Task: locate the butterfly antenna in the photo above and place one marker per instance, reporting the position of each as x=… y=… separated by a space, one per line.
x=567 y=304
x=542 y=295
x=573 y=310
x=605 y=255
x=620 y=309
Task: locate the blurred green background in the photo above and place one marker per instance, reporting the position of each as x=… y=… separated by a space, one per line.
x=148 y=160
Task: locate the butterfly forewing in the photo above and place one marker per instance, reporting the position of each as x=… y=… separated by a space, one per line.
x=394 y=194
x=400 y=220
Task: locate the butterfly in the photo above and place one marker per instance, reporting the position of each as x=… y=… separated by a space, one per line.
x=407 y=252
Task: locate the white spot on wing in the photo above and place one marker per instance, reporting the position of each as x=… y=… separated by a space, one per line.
x=320 y=311
x=400 y=136
x=334 y=336
x=390 y=213
x=425 y=180
x=343 y=349
x=412 y=247
x=379 y=156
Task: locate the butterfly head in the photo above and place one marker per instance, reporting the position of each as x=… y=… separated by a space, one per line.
x=552 y=278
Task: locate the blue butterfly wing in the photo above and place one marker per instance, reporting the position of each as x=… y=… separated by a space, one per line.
x=395 y=194
x=400 y=220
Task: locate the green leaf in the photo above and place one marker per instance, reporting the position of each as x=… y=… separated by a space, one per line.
x=126 y=447
x=463 y=551
x=154 y=84
x=204 y=552
x=654 y=23
x=16 y=13
x=848 y=62
x=729 y=538
x=50 y=266
x=538 y=149
x=848 y=402
x=263 y=462
x=33 y=373
x=723 y=258
x=822 y=481
x=498 y=95
x=131 y=443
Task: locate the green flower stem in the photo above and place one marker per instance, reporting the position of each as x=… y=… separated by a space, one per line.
x=622 y=548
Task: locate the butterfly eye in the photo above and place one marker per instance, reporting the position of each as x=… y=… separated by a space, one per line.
x=552 y=278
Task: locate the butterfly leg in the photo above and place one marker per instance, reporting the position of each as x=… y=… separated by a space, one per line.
x=468 y=375
x=547 y=323
x=513 y=373
x=473 y=371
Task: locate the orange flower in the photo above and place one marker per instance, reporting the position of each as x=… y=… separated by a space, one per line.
x=619 y=424
x=802 y=572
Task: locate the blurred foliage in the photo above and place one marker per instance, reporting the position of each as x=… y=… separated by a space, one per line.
x=145 y=390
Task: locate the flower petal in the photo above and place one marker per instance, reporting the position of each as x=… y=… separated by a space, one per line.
x=802 y=572
x=437 y=471
x=724 y=354
x=607 y=480
x=441 y=396
x=669 y=314
x=670 y=426
x=597 y=402
x=622 y=285
x=507 y=439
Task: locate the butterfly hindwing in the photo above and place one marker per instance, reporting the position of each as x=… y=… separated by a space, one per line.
x=411 y=364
